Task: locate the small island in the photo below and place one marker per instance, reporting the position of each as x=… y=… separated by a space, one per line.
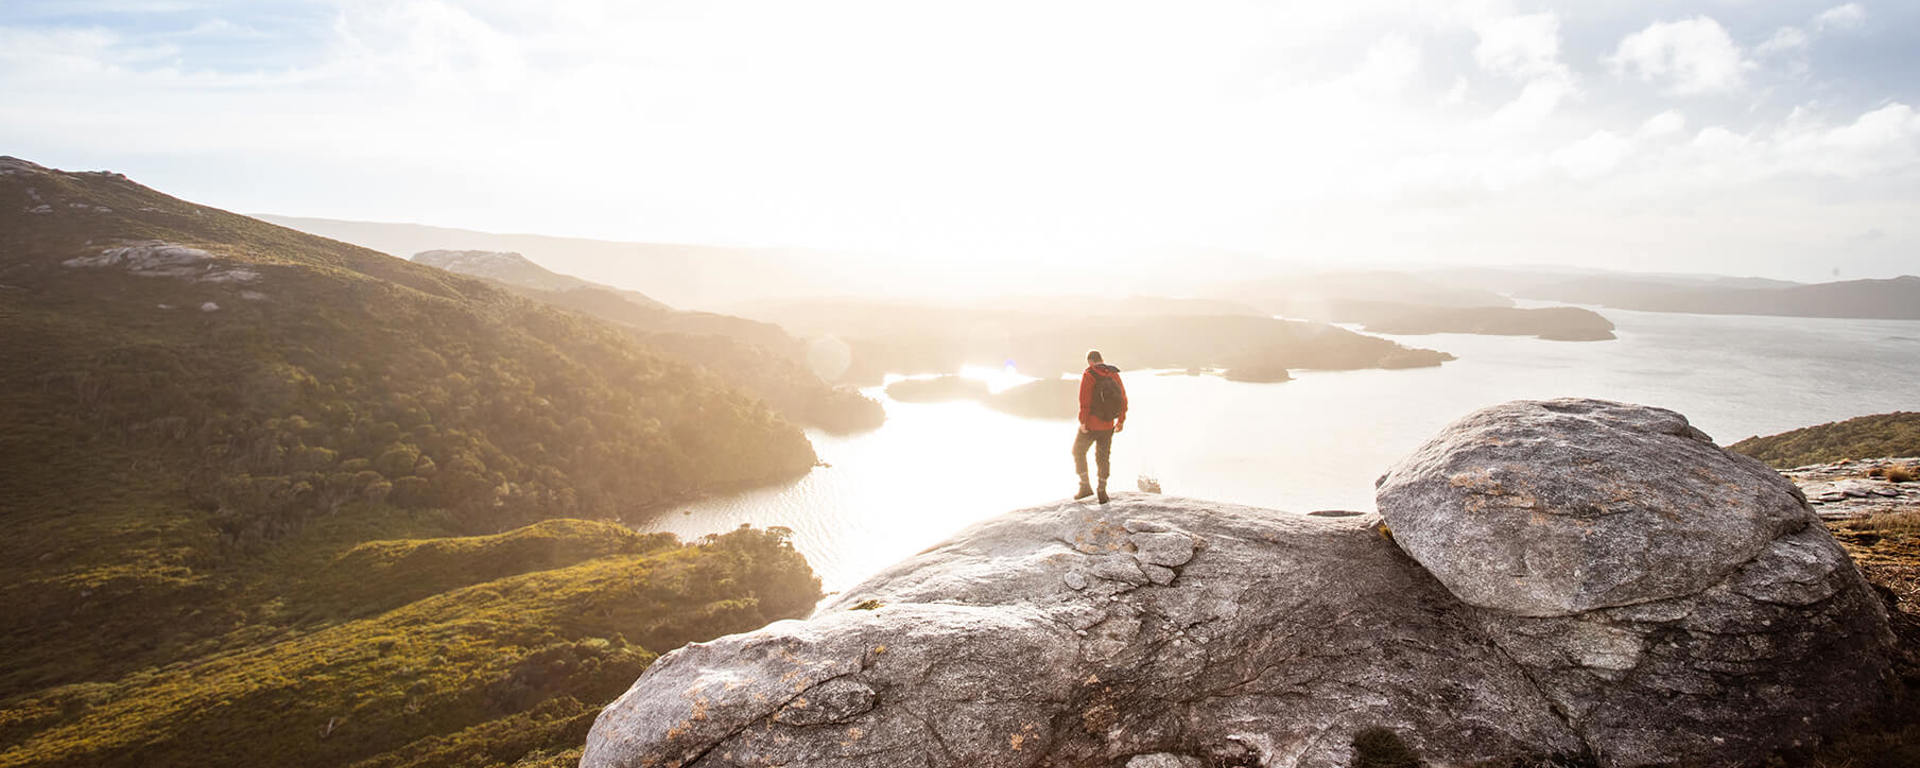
x=1550 y=323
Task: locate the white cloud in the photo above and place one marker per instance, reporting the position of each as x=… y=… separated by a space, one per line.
x=1390 y=66
x=1593 y=156
x=1849 y=16
x=1692 y=56
x=1879 y=142
x=1784 y=40
x=1536 y=102
x=1520 y=46
x=1666 y=123
x=1525 y=48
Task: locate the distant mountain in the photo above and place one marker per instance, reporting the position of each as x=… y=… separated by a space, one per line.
x=685 y=276
x=1528 y=281
x=301 y=500
x=757 y=357
x=1893 y=298
x=1896 y=298
x=509 y=267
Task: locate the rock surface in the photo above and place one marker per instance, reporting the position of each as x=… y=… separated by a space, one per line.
x=1848 y=490
x=1674 y=600
x=1549 y=508
x=1158 y=631
x=157 y=259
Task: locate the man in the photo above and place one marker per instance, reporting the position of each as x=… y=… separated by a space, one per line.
x=1103 y=411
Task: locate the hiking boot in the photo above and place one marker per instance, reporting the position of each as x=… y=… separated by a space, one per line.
x=1085 y=490
x=1103 y=491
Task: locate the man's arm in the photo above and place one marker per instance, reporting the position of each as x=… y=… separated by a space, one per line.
x=1086 y=398
x=1120 y=422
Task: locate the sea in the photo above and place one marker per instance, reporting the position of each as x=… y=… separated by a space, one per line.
x=1317 y=442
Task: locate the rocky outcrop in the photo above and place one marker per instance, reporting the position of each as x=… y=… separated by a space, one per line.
x=157 y=259
x=1852 y=489
x=1676 y=601
x=1160 y=631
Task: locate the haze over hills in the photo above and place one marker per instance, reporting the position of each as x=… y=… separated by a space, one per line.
x=1891 y=298
x=735 y=280
x=303 y=500
x=1894 y=298
x=515 y=269
x=1402 y=303
x=685 y=276
x=757 y=357
x=888 y=338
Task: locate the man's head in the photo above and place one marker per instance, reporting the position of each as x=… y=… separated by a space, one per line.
x=1093 y=357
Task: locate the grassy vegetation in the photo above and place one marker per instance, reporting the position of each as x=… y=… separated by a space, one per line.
x=1866 y=437
x=333 y=517
x=490 y=672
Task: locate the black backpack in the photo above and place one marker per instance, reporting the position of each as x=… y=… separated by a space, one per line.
x=1108 y=398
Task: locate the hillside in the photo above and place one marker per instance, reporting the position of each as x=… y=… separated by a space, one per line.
x=274 y=491
x=1865 y=437
x=759 y=358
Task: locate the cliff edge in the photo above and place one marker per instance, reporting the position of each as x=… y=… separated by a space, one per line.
x=1572 y=580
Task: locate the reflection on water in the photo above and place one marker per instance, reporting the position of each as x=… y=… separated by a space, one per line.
x=1316 y=442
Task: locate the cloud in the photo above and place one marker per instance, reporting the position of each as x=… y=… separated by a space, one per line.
x=1593 y=156
x=1845 y=17
x=1692 y=56
x=1391 y=64
x=1666 y=123
x=1525 y=48
x=1520 y=46
x=1785 y=40
x=1881 y=142
x=1536 y=102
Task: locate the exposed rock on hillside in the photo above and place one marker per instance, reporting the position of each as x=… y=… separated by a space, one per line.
x=157 y=259
x=1848 y=490
x=1168 y=631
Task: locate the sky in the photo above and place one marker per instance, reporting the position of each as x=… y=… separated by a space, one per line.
x=1752 y=137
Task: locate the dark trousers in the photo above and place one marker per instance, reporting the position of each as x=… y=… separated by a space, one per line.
x=1102 y=441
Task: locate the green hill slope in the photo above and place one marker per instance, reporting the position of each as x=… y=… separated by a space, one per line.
x=758 y=358
x=268 y=494
x=1866 y=437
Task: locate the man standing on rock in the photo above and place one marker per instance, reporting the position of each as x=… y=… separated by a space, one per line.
x=1103 y=411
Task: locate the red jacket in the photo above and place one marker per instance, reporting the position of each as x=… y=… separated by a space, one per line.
x=1086 y=398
